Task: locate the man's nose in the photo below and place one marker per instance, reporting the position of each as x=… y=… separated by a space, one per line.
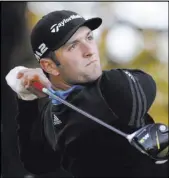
x=87 y=50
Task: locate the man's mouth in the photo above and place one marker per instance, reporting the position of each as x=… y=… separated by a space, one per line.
x=91 y=62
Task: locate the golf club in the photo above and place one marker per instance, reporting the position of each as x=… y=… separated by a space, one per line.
x=151 y=139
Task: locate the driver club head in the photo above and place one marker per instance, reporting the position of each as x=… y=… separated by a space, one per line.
x=152 y=140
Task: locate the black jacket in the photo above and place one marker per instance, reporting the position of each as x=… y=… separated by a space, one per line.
x=53 y=136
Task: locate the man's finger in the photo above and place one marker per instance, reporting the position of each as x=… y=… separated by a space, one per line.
x=19 y=75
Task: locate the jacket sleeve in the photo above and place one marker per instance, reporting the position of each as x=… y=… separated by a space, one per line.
x=129 y=93
x=36 y=153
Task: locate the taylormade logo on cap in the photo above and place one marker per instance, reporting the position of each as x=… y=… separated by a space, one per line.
x=55 y=28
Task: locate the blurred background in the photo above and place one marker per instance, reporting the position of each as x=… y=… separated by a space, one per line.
x=133 y=35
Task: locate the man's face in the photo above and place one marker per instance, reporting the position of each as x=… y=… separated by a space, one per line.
x=79 y=58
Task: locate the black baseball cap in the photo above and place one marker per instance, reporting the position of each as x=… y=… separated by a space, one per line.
x=56 y=28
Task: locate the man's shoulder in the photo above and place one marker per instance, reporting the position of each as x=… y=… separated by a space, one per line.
x=113 y=74
x=121 y=73
x=114 y=70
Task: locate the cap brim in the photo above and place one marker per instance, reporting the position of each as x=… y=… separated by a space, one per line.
x=93 y=24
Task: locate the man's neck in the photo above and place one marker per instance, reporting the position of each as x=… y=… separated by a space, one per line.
x=58 y=83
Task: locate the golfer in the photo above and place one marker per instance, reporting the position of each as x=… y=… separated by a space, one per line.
x=51 y=135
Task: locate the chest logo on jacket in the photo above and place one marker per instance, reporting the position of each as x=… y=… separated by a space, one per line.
x=56 y=120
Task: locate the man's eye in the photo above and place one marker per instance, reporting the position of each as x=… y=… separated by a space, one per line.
x=73 y=46
x=90 y=37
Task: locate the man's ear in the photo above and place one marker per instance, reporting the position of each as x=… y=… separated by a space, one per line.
x=49 y=66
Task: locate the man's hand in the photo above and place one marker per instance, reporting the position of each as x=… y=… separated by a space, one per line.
x=21 y=79
x=28 y=76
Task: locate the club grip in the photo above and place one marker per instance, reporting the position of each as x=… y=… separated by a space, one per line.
x=38 y=86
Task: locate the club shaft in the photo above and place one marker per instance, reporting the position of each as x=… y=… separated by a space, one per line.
x=45 y=90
